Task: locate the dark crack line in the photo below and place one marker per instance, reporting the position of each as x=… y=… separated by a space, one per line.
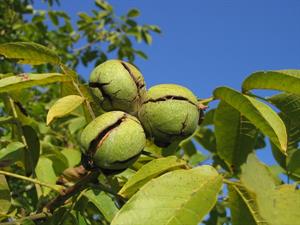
x=103 y=135
x=170 y=97
x=126 y=160
x=138 y=84
x=100 y=86
x=184 y=125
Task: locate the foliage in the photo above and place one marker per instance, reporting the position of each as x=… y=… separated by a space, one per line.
x=43 y=179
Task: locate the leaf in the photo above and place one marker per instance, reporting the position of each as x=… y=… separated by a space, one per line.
x=72 y=155
x=103 y=202
x=283 y=80
x=141 y=54
x=277 y=204
x=64 y=106
x=103 y=5
x=133 y=13
x=32 y=153
x=28 y=80
x=147 y=37
x=258 y=113
x=149 y=171
x=289 y=104
x=11 y=154
x=177 y=197
x=243 y=206
x=235 y=135
x=29 y=53
x=6 y=119
x=76 y=124
x=44 y=172
x=5 y=202
x=206 y=137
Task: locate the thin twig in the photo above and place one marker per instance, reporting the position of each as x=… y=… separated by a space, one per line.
x=32 y=217
x=51 y=186
x=89 y=107
x=69 y=192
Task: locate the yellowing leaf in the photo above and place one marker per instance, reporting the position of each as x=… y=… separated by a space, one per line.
x=28 y=80
x=149 y=171
x=177 y=197
x=29 y=53
x=63 y=107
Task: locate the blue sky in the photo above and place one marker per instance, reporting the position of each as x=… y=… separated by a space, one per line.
x=206 y=44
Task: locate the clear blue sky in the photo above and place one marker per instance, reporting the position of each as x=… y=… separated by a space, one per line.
x=209 y=43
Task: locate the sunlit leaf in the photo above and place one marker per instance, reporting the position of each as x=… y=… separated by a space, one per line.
x=177 y=197
x=5 y=202
x=235 y=135
x=243 y=206
x=72 y=155
x=103 y=202
x=148 y=172
x=283 y=80
x=29 y=80
x=258 y=113
x=133 y=13
x=64 y=106
x=29 y=53
x=278 y=204
x=13 y=152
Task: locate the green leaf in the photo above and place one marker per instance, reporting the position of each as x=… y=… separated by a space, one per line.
x=146 y=37
x=6 y=119
x=32 y=153
x=149 y=171
x=103 y=5
x=208 y=118
x=283 y=80
x=44 y=172
x=64 y=106
x=28 y=80
x=133 y=13
x=103 y=202
x=177 y=197
x=5 y=202
x=72 y=155
x=289 y=104
x=258 y=113
x=243 y=206
x=141 y=54
x=29 y=53
x=54 y=18
x=206 y=137
x=277 y=204
x=235 y=135
x=11 y=154
x=76 y=124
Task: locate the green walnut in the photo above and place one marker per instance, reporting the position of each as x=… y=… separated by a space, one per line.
x=118 y=85
x=113 y=140
x=169 y=113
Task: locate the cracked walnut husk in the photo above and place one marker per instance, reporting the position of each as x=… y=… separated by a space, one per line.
x=169 y=113
x=118 y=85
x=113 y=140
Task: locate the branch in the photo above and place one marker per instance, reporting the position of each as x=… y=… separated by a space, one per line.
x=51 y=186
x=69 y=192
x=32 y=217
